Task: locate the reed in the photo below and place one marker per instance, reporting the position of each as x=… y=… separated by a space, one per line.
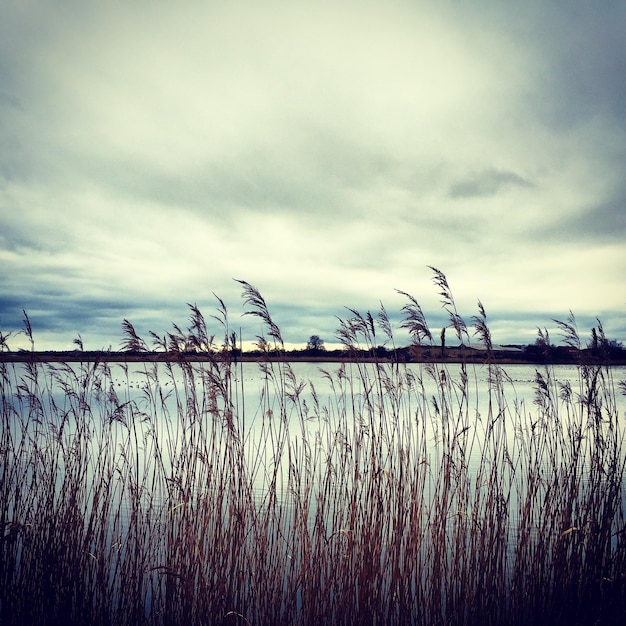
x=403 y=495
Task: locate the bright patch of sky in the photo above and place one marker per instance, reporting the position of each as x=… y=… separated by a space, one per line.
x=327 y=153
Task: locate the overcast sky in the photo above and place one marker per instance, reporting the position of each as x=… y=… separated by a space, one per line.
x=326 y=152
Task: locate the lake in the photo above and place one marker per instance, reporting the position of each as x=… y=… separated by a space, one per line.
x=313 y=493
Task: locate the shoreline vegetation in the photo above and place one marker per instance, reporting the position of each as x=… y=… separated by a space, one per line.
x=423 y=495
x=364 y=337
x=504 y=355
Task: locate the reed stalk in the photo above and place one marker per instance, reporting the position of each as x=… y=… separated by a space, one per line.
x=405 y=494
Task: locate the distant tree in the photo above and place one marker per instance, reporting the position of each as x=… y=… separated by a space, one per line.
x=315 y=343
x=382 y=352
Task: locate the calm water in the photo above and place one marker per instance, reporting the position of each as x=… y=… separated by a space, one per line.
x=312 y=402
x=142 y=420
x=305 y=403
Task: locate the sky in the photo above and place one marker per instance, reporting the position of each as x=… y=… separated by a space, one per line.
x=328 y=153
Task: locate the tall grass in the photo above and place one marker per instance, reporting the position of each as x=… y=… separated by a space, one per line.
x=403 y=495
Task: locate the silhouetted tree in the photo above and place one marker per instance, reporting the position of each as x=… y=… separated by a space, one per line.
x=315 y=343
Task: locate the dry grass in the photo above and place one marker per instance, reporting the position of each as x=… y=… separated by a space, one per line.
x=406 y=495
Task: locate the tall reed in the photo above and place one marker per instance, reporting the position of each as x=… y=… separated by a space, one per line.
x=403 y=494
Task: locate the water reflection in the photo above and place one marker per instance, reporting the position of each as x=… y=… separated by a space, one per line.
x=387 y=487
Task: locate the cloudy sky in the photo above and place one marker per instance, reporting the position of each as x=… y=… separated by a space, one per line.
x=326 y=152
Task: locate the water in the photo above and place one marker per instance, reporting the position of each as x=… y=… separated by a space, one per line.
x=172 y=465
x=285 y=411
x=309 y=402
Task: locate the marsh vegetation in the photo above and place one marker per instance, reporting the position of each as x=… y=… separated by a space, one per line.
x=400 y=494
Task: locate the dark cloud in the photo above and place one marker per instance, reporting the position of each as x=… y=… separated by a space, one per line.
x=602 y=223
x=582 y=50
x=148 y=154
x=487 y=183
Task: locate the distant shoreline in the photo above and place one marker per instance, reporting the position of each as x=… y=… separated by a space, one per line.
x=514 y=356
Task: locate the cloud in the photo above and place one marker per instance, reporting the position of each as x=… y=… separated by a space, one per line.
x=487 y=183
x=326 y=153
